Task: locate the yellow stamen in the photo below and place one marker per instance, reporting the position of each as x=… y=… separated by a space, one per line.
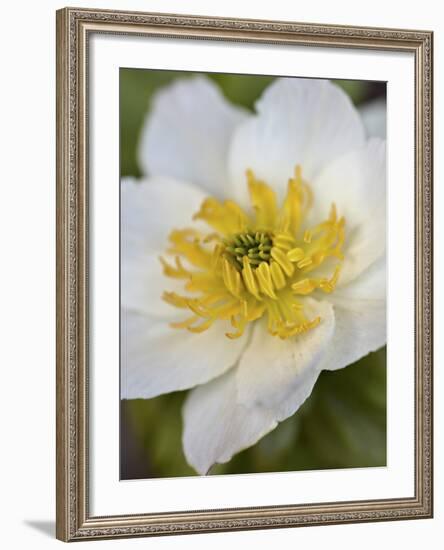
x=185 y=324
x=305 y=286
x=249 y=279
x=277 y=275
x=202 y=327
x=175 y=300
x=295 y=254
x=263 y=275
x=178 y=272
x=263 y=201
x=283 y=261
x=250 y=266
x=305 y=262
x=284 y=241
x=232 y=278
x=225 y=217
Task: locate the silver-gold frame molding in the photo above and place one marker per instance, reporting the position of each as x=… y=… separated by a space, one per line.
x=74 y=26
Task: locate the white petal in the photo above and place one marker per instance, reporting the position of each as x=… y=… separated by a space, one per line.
x=143 y=284
x=299 y=121
x=157 y=359
x=216 y=426
x=374 y=116
x=356 y=184
x=271 y=382
x=150 y=210
x=272 y=370
x=187 y=132
x=370 y=285
x=360 y=313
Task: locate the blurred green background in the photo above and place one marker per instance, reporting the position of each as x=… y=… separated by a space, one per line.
x=341 y=425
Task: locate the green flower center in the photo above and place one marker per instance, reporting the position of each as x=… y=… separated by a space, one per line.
x=255 y=246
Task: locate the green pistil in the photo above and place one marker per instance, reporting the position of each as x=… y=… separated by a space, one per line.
x=255 y=246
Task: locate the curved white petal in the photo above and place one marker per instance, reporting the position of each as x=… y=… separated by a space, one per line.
x=356 y=184
x=272 y=380
x=374 y=116
x=150 y=210
x=272 y=370
x=370 y=285
x=360 y=313
x=143 y=284
x=299 y=121
x=157 y=359
x=216 y=426
x=187 y=132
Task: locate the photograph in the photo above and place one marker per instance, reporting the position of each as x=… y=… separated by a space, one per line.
x=252 y=274
x=219 y=262
x=244 y=274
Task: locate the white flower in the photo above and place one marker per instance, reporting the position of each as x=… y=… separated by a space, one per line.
x=373 y=114
x=297 y=283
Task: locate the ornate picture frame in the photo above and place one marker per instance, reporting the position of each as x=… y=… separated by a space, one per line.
x=75 y=520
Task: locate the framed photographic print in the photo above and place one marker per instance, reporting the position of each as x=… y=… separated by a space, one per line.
x=244 y=284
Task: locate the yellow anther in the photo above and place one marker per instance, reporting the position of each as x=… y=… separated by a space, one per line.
x=277 y=275
x=249 y=279
x=281 y=242
x=231 y=277
x=281 y=258
x=175 y=300
x=284 y=238
x=305 y=262
x=295 y=254
x=264 y=279
x=317 y=258
x=328 y=285
x=305 y=286
x=198 y=308
x=178 y=272
x=185 y=324
x=237 y=334
x=202 y=327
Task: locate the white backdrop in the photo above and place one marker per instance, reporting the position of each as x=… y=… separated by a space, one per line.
x=27 y=118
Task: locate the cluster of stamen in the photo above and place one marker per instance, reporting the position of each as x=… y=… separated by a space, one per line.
x=255 y=266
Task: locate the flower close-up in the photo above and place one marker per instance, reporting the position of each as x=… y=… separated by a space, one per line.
x=253 y=255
